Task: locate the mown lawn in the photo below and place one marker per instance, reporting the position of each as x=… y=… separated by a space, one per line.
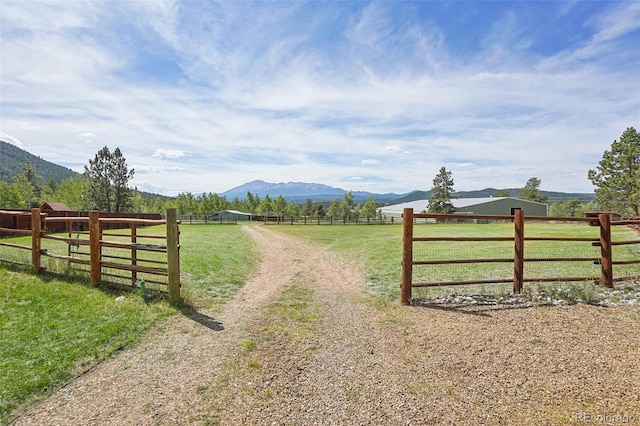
x=52 y=328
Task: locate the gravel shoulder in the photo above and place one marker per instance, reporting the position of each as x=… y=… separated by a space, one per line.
x=301 y=344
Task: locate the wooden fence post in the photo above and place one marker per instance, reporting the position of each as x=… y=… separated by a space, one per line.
x=605 y=250
x=407 y=256
x=173 y=257
x=94 y=247
x=134 y=253
x=36 y=240
x=518 y=259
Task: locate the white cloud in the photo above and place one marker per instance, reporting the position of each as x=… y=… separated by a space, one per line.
x=12 y=140
x=86 y=136
x=262 y=95
x=168 y=153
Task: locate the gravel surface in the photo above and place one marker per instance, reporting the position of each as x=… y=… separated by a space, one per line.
x=301 y=344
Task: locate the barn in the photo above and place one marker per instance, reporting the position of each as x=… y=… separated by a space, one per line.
x=488 y=206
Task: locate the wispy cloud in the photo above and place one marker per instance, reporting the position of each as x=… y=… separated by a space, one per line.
x=227 y=92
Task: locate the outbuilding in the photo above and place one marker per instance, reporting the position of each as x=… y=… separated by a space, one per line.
x=488 y=206
x=232 y=216
x=54 y=207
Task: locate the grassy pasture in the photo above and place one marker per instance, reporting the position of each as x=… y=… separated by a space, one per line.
x=377 y=250
x=52 y=329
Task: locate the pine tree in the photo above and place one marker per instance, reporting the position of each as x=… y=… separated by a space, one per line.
x=109 y=177
x=369 y=208
x=442 y=193
x=347 y=205
x=120 y=176
x=617 y=178
x=531 y=191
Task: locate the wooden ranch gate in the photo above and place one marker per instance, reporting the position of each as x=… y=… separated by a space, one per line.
x=605 y=260
x=115 y=254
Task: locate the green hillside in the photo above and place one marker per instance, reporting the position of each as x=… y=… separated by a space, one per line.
x=12 y=158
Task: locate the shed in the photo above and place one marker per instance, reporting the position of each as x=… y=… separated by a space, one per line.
x=56 y=207
x=233 y=216
x=488 y=206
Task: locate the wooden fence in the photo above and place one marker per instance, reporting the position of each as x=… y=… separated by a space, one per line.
x=605 y=260
x=113 y=256
x=290 y=220
x=324 y=220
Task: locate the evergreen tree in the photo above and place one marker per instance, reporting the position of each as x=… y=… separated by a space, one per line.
x=617 y=178
x=347 y=205
x=531 y=191
x=266 y=206
x=307 y=208
x=253 y=201
x=333 y=209
x=28 y=171
x=442 y=193
x=109 y=177
x=502 y=193
x=120 y=176
x=370 y=207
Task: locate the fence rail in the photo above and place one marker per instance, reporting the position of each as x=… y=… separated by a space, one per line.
x=118 y=256
x=603 y=241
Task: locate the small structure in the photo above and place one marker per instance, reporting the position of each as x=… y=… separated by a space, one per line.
x=488 y=206
x=55 y=207
x=232 y=216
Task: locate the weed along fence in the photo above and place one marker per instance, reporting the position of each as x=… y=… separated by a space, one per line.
x=120 y=252
x=540 y=255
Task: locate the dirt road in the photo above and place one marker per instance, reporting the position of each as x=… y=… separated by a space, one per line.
x=301 y=344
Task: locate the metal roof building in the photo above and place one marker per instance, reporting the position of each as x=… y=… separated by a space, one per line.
x=489 y=206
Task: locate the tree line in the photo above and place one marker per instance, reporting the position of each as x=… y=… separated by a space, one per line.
x=104 y=186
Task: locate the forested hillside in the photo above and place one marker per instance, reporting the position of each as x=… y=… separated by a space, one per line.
x=12 y=158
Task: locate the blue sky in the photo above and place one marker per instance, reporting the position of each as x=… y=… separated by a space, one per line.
x=202 y=96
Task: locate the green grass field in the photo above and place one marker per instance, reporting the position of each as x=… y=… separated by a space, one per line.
x=377 y=250
x=52 y=328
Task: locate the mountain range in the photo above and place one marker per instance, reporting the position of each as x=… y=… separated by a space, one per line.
x=12 y=158
x=301 y=191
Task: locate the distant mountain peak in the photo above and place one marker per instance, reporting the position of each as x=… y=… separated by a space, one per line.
x=286 y=189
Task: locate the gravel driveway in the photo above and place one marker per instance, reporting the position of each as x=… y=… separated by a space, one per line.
x=301 y=344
